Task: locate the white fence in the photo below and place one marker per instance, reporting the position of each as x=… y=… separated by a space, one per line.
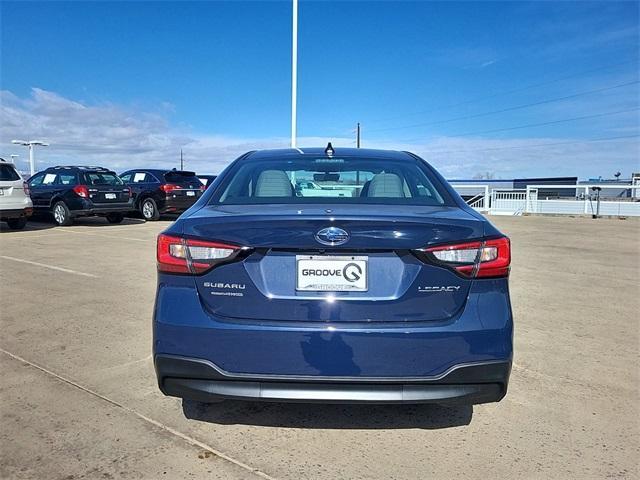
x=615 y=199
x=476 y=196
x=508 y=202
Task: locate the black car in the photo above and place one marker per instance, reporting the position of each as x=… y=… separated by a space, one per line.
x=207 y=180
x=68 y=192
x=162 y=191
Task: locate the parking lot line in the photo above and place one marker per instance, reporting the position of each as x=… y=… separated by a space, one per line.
x=25 y=236
x=51 y=267
x=187 y=438
x=108 y=236
x=62 y=232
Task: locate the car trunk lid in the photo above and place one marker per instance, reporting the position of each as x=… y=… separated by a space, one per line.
x=183 y=185
x=106 y=188
x=393 y=285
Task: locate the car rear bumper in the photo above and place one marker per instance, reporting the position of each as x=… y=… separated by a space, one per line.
x=103 y=210
x=280 y=359
x=16 y=212
x=177 y=204
x=201 y=380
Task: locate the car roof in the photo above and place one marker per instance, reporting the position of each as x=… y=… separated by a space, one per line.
x=87 y=168
x=320 y=151
x=157 y=171
x=150 y=170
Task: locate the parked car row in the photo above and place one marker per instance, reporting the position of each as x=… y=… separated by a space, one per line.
x=68 y=192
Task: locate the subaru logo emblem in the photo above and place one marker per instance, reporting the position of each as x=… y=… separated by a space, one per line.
x=332 y=236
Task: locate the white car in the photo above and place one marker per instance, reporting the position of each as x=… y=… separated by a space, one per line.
x=15 y=202
x=312 y=189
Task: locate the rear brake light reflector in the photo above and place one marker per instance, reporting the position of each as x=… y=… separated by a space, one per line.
x=183 y=255
x=81 y=191
x=489 y=258
x=169 y=187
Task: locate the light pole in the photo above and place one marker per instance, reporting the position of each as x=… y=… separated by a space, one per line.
x=294 y=74
x=31 y=144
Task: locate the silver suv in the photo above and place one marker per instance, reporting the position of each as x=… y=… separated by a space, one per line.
x=15 y=202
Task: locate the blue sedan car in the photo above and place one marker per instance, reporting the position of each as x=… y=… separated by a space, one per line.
x=333 y=275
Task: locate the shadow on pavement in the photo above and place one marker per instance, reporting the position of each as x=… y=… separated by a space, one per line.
x=102 y=222
x=42 y=222
x=329 y=416
x=171 y=217
x=32 y=226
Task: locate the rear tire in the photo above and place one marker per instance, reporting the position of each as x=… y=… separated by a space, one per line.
x=115 y=217
x=17 y=223
x=149 y=210
x=62 y=215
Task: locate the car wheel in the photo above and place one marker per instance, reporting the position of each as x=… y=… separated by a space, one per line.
x=17 y=223
x=115 y=217
x=149 y=209
x=62 y=215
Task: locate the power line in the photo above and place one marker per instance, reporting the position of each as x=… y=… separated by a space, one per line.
x=584 y=117
x=509 y=109
x=533 y=145
x=508 y=92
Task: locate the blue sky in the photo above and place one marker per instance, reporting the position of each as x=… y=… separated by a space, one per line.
x=126 y=83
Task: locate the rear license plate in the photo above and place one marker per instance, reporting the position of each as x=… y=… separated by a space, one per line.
x=191 y=194
x=110 y=196
x=331 y=273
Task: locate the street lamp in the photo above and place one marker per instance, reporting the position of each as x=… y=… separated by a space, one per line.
x=31 y=144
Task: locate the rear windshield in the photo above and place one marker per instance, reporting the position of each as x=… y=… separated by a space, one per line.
x=331 y=180
x=102 y=178
x=8 y=173
x=181 y=177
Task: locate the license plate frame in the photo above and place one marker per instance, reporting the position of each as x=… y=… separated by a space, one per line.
x=332 y=273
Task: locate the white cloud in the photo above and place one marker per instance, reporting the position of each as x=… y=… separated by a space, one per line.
x=121 y=137
x=458 y=158
x=111 y=135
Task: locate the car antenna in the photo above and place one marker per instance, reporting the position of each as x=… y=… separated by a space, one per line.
x=329 y=150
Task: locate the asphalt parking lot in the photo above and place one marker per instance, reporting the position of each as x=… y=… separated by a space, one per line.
x=79 y=399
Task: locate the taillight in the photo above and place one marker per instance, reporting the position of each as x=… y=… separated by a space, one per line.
x=82 y=191
x=25 y=187
x=129 y=192
x=184 y=255
x=489 y=258
x=203 y=188
x=169 y=187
